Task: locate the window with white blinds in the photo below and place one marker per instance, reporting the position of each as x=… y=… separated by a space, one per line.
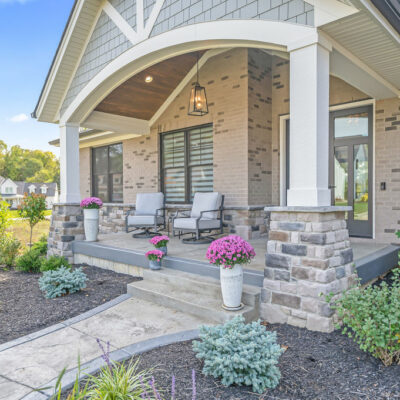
x=187 y=163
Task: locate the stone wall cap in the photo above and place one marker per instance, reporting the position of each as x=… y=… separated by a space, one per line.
x=322 y=209
x=66 y=204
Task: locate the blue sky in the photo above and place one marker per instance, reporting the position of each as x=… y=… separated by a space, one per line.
x=30 y=31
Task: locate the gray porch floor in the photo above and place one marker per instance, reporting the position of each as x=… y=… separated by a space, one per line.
x=361 y=248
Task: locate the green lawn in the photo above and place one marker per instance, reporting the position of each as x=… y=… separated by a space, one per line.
x=14 y=213
x=21 y=230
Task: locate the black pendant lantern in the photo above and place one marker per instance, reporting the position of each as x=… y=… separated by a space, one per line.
x=198 y=100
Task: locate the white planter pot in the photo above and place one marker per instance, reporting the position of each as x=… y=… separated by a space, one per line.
x=91 y=223
x=231 y=287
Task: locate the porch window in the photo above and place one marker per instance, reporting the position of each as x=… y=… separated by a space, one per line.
x=187 y=163
x=107 y=173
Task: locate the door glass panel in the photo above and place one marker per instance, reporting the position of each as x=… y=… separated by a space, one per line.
x=361 y=182
x=355 y=125
x=117 y=188
x=341 y=176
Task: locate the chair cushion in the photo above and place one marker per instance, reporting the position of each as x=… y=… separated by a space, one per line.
x=190 y=223
x=204 y=202
x=149 y=203
x=144 y=220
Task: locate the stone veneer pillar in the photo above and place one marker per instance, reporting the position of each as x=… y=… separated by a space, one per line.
x=65 y=227
x=308 y=256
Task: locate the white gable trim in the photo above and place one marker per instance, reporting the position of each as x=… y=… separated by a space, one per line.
x=116 y=123
x=275 y=35
x=121 y=23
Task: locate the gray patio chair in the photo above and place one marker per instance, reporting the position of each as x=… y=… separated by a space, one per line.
x=206 y=216
x=149 y=213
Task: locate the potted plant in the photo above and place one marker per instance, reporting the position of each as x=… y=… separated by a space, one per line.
x=160 y=243
x=155 y=257
x=230 y=253
x=91 y=206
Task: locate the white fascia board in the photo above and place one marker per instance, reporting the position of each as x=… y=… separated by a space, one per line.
x=116 y=123
x=326 y=11
x=381 y=19
x=59 y=57
x=78 y=62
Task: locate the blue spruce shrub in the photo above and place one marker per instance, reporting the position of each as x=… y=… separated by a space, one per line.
x=239 y=353
x=62 y=281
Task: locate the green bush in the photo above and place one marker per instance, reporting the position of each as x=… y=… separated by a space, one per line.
x=9 y=248
x=54 y=262
x=371 y=316
x=62 y=281
x=30 y=261
x=239 y=353
x=122 y=382
x=41 y=245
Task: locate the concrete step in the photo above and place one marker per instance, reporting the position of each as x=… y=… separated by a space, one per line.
x=192 y=294
x=202 y=285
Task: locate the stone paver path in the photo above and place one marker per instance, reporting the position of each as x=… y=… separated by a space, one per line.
x=33 y=364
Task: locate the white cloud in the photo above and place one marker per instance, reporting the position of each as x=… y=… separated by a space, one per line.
x=19 y=117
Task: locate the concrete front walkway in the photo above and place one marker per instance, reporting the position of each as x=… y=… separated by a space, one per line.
x=35 y=363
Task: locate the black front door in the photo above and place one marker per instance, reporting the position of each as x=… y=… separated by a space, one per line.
x=351 y=166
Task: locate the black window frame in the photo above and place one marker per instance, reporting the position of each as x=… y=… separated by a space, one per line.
x=187 y=177
x=109 y=174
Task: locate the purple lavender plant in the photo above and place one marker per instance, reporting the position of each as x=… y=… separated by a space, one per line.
x=144 y=394
x=106 y=353
x=153 y=386
x=193 y=384
x=173 y=388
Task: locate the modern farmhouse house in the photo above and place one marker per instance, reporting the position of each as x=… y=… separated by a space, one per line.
x=295 y=119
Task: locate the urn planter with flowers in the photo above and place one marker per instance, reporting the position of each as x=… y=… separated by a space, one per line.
x=160 y=243
x=230 y=253
x=155 y=257
x=91 y=206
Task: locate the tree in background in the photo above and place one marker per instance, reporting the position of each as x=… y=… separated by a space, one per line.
x=32 y=208
x=20 y=164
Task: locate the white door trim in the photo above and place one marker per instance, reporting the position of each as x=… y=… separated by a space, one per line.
x=282 y=152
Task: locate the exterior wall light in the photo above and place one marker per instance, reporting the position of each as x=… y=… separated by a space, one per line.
x=198 y=105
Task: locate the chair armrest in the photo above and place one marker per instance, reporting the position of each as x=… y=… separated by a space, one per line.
x=181 y=214
x=160 y=214
x=207 y=211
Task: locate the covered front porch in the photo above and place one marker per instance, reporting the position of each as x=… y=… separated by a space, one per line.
x=123 y=253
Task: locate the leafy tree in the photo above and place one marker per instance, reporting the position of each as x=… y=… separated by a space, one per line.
x=4 y=216
x=33 y=208
x=21 y=164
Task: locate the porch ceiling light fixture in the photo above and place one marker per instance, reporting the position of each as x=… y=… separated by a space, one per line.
x=198 y=100
x=148 y=79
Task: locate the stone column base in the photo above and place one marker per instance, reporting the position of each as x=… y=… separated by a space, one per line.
x=65 y=227
x=308 y=257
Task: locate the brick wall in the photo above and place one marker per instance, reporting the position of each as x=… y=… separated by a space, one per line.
x=259 y=128
x=225 y=77
x=387 y=169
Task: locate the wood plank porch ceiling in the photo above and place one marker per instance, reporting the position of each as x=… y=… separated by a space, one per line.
x=137 y=99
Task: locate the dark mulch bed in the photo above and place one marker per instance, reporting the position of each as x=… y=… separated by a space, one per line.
x=24 y=309
x=315 y=366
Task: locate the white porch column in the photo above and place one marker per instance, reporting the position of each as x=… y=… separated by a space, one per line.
x=309 y=123
x=69 y=164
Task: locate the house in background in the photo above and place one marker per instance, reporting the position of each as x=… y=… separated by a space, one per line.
x=13 y=192
x=300 y=96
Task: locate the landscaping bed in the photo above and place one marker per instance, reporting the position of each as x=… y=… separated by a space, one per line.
x=24 y=308
x=314 y=366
